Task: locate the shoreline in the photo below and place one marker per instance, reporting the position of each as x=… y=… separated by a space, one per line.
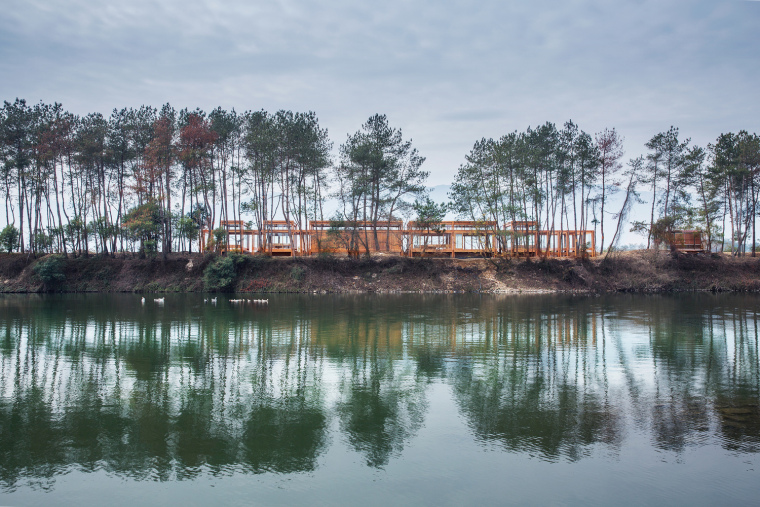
x=636 y=272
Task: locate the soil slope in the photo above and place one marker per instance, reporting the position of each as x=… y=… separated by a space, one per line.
x=643 y=271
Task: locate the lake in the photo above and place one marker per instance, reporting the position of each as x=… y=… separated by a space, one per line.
x=379 y=400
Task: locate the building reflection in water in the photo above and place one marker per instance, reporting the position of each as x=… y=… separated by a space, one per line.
x=168 y=393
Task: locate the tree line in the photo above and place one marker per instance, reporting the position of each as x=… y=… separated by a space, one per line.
x=562 y=179
x=148 y=180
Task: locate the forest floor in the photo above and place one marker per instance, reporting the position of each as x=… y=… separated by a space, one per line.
x=640 y=271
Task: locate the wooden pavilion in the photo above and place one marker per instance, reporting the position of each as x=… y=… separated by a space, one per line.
x=444 y=239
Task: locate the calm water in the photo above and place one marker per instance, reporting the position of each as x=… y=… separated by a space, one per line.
x=379 y=400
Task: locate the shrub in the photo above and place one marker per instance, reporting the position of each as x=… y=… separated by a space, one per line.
x=150 y=247
x=396 y=269
x=43 y=242
x=297 y=272
x=221 y=274
x=220 y=238
x=9 y=238
x=50 y=271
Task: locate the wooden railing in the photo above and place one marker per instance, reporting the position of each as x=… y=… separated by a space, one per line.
x=444 y=239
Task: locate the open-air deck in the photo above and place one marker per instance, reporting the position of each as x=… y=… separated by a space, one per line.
x=522 y=238
x=355 y=237
x=444 y=239
x=687 y=241
x=274 y=238
x=451 y=239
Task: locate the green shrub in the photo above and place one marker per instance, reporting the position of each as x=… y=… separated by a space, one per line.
x=297 y=272
x=221 y=274
x=220 y=238
x=256 y=262
x=50 y=271
x=396 y=269
x=43 y=242
x=9 y=238
x=150 y=247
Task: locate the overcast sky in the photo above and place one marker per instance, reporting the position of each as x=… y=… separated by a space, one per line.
x=446 y=72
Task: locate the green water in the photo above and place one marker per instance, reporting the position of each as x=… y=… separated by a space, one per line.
x=380 y=400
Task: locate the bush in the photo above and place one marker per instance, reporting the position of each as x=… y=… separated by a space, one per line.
x=220 y=238
x=43 y=242
x=50 y=271
x=297 y=272
x=150 y=247
x=221 y=274
x=9 y=238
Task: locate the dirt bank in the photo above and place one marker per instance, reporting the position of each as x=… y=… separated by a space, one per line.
x=631 y=271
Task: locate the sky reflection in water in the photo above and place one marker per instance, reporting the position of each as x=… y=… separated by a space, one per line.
x=419 y=399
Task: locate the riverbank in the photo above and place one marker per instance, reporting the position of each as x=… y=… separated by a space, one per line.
x=642 y=271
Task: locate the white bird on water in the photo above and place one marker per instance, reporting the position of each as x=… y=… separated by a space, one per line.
x=143 y=301
x=159 y=301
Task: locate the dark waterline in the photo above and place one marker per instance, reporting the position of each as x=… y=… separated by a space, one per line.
x=377 y=400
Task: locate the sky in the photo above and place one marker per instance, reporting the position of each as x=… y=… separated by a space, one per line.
x=446 y=72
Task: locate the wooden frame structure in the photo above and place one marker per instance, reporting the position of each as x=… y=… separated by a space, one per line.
x=444 y=239
x=524 y=239
x=450 y=238
x=355 y=238
x=276 y=238
x=687 y=241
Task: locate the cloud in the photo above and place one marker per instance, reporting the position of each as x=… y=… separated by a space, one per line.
x=447 y=72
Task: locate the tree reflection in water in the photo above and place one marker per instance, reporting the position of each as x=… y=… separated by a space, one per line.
x=174 y=392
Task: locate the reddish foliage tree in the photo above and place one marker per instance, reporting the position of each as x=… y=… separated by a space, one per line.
x=196 y=142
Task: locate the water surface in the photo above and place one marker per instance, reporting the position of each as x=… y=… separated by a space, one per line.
x=378 y=400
